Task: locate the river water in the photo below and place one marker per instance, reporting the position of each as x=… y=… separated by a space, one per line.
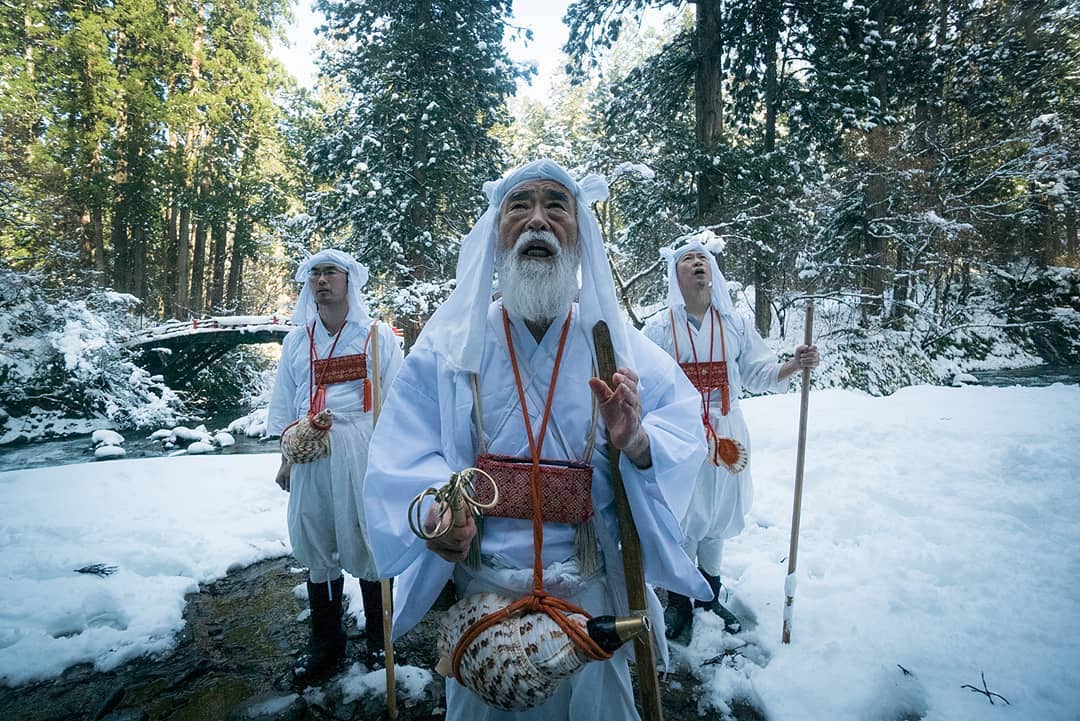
x=79 y=449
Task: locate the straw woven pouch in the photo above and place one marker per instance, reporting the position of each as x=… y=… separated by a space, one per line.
x=307 y=439
x=514 y=664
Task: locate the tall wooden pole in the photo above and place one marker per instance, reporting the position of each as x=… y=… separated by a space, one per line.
x=633 y=561
x=796 y=511
x=384 y=584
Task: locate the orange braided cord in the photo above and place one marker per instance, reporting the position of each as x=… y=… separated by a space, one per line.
x=555 y=608
x=538 y=600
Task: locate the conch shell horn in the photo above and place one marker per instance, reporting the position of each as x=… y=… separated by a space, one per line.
x=521 y=661
x=308 y=439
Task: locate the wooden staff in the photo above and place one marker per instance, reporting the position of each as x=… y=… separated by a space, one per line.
x=793 y=550
x=385 y=583
x=633 y=562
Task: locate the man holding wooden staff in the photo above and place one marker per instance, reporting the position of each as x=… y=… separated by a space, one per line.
x=511 y=384
x=322 y=407
x=722 y=353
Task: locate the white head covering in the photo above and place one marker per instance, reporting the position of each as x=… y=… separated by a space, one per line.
x=456 y=330
x=307 y=310
x=721 y=298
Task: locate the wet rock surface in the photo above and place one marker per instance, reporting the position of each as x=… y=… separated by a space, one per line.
x=233 y=661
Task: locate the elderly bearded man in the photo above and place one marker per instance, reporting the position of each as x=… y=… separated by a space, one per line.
x=481 y=380
x=327 y=363
x=722 y=353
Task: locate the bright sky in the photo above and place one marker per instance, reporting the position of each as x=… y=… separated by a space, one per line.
x=544 y=17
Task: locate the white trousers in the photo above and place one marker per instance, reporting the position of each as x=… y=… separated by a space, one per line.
x=326 y=522
x=709 y=553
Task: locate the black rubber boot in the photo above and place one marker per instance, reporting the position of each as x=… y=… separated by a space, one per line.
x=679 y=618
x=375 y=657
x=326 y=649
x=731 y=621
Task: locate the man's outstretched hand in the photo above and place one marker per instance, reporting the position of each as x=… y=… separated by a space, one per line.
x=621 y=411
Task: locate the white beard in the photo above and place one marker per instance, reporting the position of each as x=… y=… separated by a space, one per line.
x=538 y=290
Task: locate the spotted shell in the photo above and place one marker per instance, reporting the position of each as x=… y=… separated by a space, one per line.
x=308 y=439
x=512 y=665
x=727 y=452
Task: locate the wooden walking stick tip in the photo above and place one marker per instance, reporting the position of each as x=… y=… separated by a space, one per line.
x=633 y=565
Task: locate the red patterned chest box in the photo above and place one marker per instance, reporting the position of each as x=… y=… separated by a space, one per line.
x=341 y=369
x=565 y=488
x=707 y=376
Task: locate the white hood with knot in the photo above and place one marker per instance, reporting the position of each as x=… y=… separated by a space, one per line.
x=456 y=330
x=721 y=298
x=307 y=310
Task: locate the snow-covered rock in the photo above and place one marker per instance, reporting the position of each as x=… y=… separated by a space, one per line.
x=106 y=437
x=105 y=452
x=188 y=435
x=160 y=434
x=253 y=425
x=224 y=439
x=201 y=447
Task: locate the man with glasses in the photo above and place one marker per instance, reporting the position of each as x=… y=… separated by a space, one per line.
x=328 y=364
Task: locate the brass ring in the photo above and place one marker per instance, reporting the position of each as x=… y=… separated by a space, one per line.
x=457 y=492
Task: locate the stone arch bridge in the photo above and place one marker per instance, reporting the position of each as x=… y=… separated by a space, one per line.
x=180 y=350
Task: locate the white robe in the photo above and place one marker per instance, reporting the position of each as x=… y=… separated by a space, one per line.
x=721 y=499
x=426 y=433
x=325 y=518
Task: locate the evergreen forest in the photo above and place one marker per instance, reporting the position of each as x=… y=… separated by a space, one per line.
x=910 y=166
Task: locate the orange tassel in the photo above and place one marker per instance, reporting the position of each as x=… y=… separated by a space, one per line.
x=318 y=403
x=367 y=395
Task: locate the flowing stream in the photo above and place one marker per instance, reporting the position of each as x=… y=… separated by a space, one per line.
x=79 y=449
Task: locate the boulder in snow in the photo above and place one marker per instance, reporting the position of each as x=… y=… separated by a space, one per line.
x=188 y=435
x=106 y=437
x=104 y=452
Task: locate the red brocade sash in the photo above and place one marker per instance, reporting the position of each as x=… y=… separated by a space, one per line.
x=710 y=375
x=341 y=369
x=707 y=376
x=565 y=487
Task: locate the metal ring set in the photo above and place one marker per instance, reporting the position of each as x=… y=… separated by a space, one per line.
x=461 y=489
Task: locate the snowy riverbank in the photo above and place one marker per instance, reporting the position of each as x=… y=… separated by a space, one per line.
x=938 y=534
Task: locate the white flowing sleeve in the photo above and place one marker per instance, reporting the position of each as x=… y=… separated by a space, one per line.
x=282 y=409
x=659 y=495
x=404 y=459
x=759 y=368
x=660 y=334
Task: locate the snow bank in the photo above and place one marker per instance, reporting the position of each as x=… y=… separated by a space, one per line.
x=939 y=543
x=938 y=534
x=167 y=525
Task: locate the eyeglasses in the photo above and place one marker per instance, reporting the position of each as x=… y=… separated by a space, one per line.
x=328 y=273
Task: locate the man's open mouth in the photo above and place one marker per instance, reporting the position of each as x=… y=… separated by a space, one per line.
x=537 y=250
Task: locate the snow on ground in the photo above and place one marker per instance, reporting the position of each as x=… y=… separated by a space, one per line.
x=166 y=525
x=938 y=534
